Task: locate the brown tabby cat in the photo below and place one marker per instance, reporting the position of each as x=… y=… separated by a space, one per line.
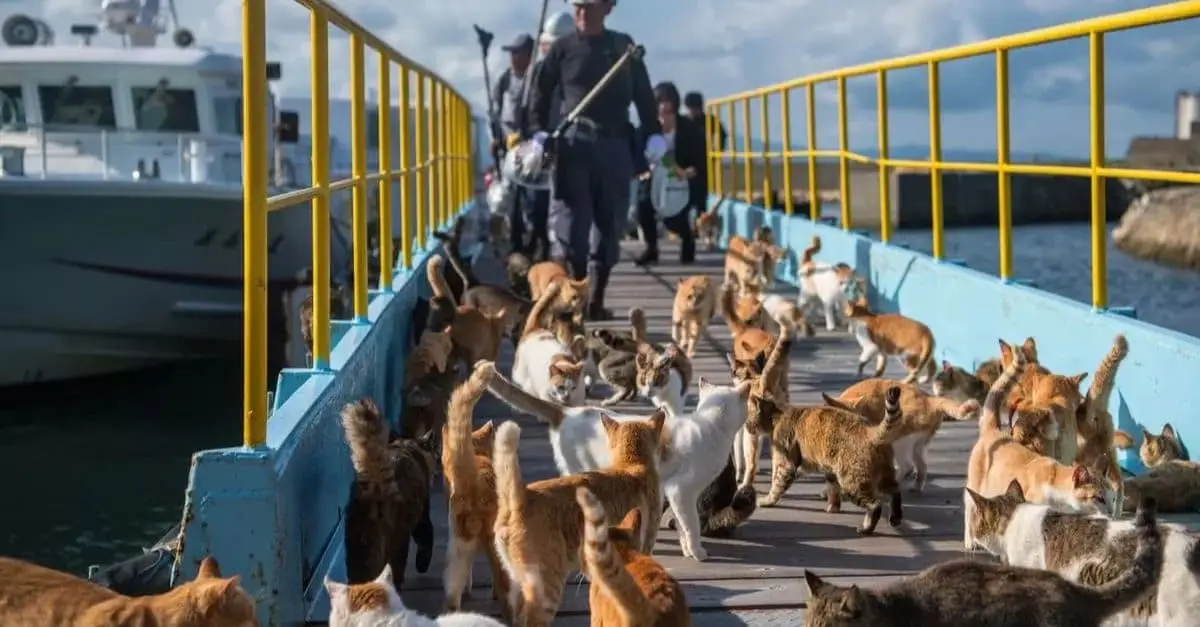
x=35 y=596
x=855 y=457
x=1158 y=449
x=708 y=229
x=389 y=500
x=539 y=527
x=881 y=335
x=629 y=588
x=516 y=269
x=476 y=335
x=340 y=308
x=695 y=304
x=1175 y=484
x=771 y=379
x=1097 y=446
x=968 y=592
x=923 y=416
x=572 y=296
x=750 y=344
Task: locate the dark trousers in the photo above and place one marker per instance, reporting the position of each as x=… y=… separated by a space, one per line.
x=679 y=224
x=589 y=204
x=536 y=219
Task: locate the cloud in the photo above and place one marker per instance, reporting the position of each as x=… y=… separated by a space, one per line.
x=722 y=46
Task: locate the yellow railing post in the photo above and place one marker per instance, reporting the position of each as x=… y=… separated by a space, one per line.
x=319 y=129
x=935 y=159
x=421 y=191
x=444 y=153
x=810 y=127
x=747 y=162
x=764 y=129
x=785 y=119
x=733 y=152
x=432 y=209
x=254 y=224
x=358 y=169
x=885 y=192
x=710 y=151
x=404 y=141
x=843 y=150
x=1003 y=155
x=385 y=168
x=1096 y=122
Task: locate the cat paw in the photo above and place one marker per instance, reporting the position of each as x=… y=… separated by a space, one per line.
x=767 y=502
x=863 y=531
x=697 y=553
x=833 y=509
x=831 y=327
x=916 y=489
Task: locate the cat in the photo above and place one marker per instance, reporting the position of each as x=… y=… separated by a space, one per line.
x=572 y=295
x=750 y=344
x=476 y=335
x=464 y=276
x=1043 y=415
x=996 y=460
x=36 y=596
x=340 y=307
x=659 y=381
x=968 y=592
x=763 y=238
x=1097 y=438
x=823 y=285
x=1158 y=449
x=708 y=229
x=1091 y=550
x=611 y=358
x=376 y=603
x=747 y=262
x=855 y=457
x=694 y=306
x=769 y=378
x=777 y=307
x=723 y=505
x=544 y=365
x=881 y=335
x=491 y=300
x=923 y=416
x=1174 y=484
x=694 y=446
x=539 y=527
x=516 y=269
x=956 y=384
x=628 y=587
x=389 y=500
x=471 y=492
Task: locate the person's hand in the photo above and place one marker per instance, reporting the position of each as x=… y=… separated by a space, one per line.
x=685 y=173
x=540 y=138
x=644 y=176
x=656 y=147
x=512 y=140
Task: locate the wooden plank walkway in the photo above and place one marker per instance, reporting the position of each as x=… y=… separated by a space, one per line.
x=755 y=578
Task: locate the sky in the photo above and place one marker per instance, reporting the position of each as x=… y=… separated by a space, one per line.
x=725 y=46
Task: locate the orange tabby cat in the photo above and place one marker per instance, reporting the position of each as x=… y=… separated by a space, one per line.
x=747 y=262
x=471 y=486
x=629 y=588
x=750 y=344
x=695 y=304
x=35 y=596
x=881 y=335
x=1097 y=445
x=1043 y=415
x=539 y=528
x=708 y=229
x=572 y=296
x=476 y=335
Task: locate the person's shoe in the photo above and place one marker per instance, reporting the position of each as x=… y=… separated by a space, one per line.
x=687 y=259
x=597 y=313
x=647 y=258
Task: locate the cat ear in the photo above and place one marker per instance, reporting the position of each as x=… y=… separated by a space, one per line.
x=1014 y=491
x=610 y=425
x=816 y=585
x=1169 y=432
x=1081 y=476
x=1077 y=379
x=946 y=367
x=209 y=569
x=1146 y=435
x=385 y=577
x=1029 y=347
x=979 y=500
x=426 y=441
x=679 y=283
x=657 y=420
x=1005 y=353
x=486 y=431
x=336 y=590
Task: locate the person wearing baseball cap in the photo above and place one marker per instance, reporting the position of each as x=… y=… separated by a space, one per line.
x=507 y=118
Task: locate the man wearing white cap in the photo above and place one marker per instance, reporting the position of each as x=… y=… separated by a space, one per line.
x=590 y=192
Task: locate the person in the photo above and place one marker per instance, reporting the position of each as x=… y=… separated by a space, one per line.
x=693 y=104
x=591 y=186
x=507 y=96
x=685 y=142
x=556 y=26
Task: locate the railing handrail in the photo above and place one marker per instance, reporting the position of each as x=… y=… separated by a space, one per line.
x=1162 y=14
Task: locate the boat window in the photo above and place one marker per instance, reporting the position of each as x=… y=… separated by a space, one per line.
x=12 y=107
x=228 y=111
x=77 y=105
x=165 y=109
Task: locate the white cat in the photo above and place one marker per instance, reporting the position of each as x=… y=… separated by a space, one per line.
x=1090 y=549
x=388 y=610
x=826 y=285
x=548 y=369
x=696 y=450
x=660 y=382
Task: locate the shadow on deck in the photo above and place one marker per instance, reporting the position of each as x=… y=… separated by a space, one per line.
x=757 y=577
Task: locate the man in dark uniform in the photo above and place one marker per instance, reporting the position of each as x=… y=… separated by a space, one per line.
x=590 y=196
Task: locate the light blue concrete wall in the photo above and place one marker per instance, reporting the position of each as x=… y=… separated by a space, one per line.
x=274 y=515
x=968 y=311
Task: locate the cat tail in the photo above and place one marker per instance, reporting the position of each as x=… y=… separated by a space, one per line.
x=885 y=431
x=740 y=509
x=513 y=396
x=1122 y=592
x=458 y=458
x=1101 y=388
x=602 y=563
x=437 y=281
x=1122 y=440
x=736 y=325
x=989 y=418
x=637 y=320
x=510 y=487
x=811 y=251
x=367 y=434
x=460 y=265
x=534 y=321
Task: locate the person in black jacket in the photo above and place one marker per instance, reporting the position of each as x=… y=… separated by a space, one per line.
x=686 y=140
x=693 y=109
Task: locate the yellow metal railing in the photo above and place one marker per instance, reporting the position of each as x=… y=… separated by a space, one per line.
x=722 y=110
x=440 y=157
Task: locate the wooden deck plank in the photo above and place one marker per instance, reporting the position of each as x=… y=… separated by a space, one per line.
x=760 y=572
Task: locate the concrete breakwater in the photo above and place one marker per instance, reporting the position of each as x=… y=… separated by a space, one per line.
x=969 y=199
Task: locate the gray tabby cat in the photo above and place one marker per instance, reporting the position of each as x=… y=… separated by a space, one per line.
x=979 y=594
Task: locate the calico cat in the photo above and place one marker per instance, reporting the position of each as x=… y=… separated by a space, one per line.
x=1097 y=436
x=968 y=592
x=1093 y=551
x=471 y=491
x=823 y=285
x=723 y=505
x=35 y=596
x=629 y=588
x=694 y=306
x=376 y=603
x=881 y=335
x=923 y=416
x=389 y=500
x=546 y=366
x=855 y=457
x=956 y=384
x=997 y=459
x=572 y=295
x=539 y=527
x=708 y=229
x=659 y=381
x=1159 y=449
